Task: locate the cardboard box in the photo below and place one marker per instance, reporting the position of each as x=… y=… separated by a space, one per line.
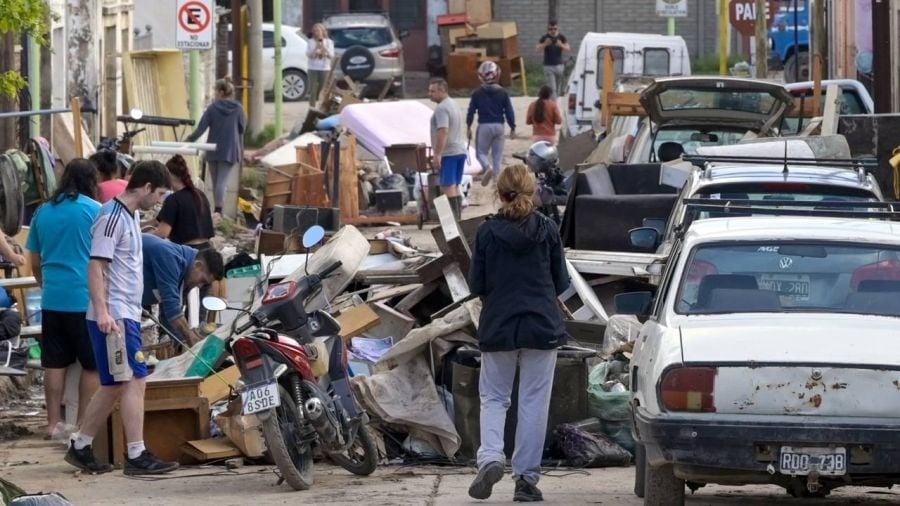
x=215 y=388
x=245 y=431
x=478 y=11
x=496 y=30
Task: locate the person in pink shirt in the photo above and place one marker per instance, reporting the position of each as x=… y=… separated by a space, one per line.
x=110 y=183
x=543 y=115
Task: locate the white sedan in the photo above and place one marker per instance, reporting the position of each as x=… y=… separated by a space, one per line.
x=770 y=355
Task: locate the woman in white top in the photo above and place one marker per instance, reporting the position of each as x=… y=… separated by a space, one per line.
x=320 y=51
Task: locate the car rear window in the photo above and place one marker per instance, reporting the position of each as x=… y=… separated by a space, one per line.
x=755 y=102
x=790 y=191
x=791 y=276
x=366 y=36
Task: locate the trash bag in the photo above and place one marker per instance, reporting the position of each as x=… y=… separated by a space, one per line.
x=51 y=499
x=620 y=432
x=620 y=334
x=584 y=449
x=611 y=406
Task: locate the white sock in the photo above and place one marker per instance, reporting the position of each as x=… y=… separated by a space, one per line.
x=82 y=441
x=136 y=449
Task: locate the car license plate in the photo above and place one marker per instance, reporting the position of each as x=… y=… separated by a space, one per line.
x=260 y=398
x=788 y=286
x=826 y=461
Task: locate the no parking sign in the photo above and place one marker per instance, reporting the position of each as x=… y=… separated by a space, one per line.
x=193 y=28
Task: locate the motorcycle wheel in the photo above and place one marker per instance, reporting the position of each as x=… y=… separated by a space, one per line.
x=294 y=460
x=362 y=457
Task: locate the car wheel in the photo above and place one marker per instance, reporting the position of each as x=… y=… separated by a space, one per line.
x=295 y=85
x=661 y=487
x=640 y=455
x=800 y=59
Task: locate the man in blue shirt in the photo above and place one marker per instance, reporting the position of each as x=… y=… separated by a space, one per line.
x=172 y=269
x=59 y=242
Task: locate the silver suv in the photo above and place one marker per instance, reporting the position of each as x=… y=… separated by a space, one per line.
x=369 y=51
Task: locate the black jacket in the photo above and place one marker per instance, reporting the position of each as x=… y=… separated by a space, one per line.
x=518 y=269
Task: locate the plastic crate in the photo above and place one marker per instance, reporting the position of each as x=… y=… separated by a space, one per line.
x=249 y=271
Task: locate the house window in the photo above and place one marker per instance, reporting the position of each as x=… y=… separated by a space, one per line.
x=656 y=62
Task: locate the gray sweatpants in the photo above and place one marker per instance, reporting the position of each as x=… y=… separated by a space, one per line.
x=219 y=171
x=495 y=384
x=553 y=75
x=489 y=147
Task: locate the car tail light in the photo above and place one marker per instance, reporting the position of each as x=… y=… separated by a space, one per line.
x=573 y=101
x=689 y=389
x=884 y=270
x=248 y=353
x=390 y=53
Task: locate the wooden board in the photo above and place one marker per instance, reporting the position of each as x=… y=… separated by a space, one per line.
x=215 y=388
x=211 y=449
x=349 y=179
x=393 y=323
x=357 y=320
x=168 y=424
x=309 y=190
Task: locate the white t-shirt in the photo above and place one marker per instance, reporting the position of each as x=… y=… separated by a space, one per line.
x=116 y=239
x=320 y=62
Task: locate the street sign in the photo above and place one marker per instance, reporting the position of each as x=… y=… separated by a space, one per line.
x=194 y=24
x=672 y=8
x=742 y=15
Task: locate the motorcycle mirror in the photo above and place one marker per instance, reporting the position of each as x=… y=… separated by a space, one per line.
x=214 y=304
x=136 y=113
x=313 y=236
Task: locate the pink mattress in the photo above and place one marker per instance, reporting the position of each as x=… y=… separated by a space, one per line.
x=377 y=125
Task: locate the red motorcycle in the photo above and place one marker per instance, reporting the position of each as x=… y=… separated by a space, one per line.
x=295 y=376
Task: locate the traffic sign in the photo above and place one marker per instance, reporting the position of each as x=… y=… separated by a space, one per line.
x=672 y=8
x=742 y=15
x=194 y=24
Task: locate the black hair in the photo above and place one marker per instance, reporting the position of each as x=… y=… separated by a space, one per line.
x=149 y=171
x=106 y=163
x=178 y=167
x=539 y=107
x=212 y=259
x=79 y=178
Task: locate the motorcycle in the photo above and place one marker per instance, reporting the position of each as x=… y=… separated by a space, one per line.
x=122 y=145
x=295 y=375
x=552 y=186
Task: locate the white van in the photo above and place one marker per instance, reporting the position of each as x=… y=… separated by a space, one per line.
x=635 y=55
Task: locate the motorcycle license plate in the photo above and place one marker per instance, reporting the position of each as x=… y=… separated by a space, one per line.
x=260 y=398
x=826 y=461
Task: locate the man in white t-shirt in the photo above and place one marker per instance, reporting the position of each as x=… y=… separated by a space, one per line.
x=115 y=283
x=320 y=52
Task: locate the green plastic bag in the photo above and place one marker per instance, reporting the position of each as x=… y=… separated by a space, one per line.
x=210 y=354
x=607 y=406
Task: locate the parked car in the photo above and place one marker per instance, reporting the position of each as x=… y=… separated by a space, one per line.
x=855 y=99
x=636 y=56
x=766 y=357
x=369 y=51
x=295 y=83
x=706 y=111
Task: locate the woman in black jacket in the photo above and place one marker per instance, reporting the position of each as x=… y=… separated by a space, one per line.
x=518 y=269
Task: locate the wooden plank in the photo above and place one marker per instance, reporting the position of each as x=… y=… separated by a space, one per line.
x=214 y=389
x=211 y=449
x=609 y=77
x=349 y=179
x=832 y=110
x=415 y=297
x=357 y=320
x=624 y=104
x=587 y=295
x=309 y=190
x=392 y=291
x=456 y=242
x=456 y=282
x=393 y=323
x=403 y=219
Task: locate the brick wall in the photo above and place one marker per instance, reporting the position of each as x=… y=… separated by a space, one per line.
x=576 y=17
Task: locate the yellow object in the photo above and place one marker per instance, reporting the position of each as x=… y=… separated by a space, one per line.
x=139 y=356
x=245 y=205
x=895 y=163
x=318 y=358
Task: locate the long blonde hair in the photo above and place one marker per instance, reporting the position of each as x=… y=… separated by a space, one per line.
x=515 y=187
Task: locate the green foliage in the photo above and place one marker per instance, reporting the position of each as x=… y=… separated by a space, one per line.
x=267 y=135
x=709 y=64
x=253 y=178
x=228 y=228
x=17 y=17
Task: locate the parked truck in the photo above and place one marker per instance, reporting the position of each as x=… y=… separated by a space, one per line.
x=789 y=40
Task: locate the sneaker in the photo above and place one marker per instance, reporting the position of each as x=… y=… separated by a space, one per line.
x=84 y=459
x=147 y=463
x=484 y=481
x=526 y=492
x=486 y=177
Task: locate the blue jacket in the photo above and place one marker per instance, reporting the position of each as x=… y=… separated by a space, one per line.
x=518 y=269
x=492 y=103
x=166 y=267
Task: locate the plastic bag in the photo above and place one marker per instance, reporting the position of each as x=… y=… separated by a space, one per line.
x=609 y=406
x=620 y=334
x=583 y=449
x=620 y=432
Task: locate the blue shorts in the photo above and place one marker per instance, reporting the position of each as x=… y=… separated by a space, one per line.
x=132 y=346
x=452 y=169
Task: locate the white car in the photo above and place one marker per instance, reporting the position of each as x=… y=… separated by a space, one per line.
x=295 y=82
x=770 y=356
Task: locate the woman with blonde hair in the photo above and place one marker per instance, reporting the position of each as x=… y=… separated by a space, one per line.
x=518 y=269
x=226 y=121
x=320 y=52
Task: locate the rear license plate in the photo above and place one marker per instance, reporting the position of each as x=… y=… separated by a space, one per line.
x=260 y=398
x=788 y=286
x=826 y=461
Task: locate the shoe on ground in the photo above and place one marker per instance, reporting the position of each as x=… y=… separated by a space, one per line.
x=526 y=492
x=84 y=459
x=484 y=481
x=147 y=463
x=486 y=177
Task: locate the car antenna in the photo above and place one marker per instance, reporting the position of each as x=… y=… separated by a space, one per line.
x=785 y=171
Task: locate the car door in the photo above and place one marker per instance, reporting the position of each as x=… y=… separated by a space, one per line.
x=592 y=79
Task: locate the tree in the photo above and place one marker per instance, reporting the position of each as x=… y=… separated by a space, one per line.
x=17 y=17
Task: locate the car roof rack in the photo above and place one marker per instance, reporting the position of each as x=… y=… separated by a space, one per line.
x=745 y=207
x=862 y=166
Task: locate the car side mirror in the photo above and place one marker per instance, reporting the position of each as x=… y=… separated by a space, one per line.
x=644 y=239
x=633 y=303
x=404 y=34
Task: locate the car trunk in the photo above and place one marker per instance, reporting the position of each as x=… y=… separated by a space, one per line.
x=813 y=365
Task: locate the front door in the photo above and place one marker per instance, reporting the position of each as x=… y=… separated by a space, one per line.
x=411 y=15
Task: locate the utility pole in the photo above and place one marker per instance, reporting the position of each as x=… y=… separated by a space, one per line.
x=762 y=40
x=723 y=37
x=255 y=48
x=881 y=48
x=7 y=125
x=81 y=51
x=279 y=92
x=237 y=29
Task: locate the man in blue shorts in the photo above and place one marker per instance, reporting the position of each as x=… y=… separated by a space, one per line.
x=115 y=284
x=448 y=143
